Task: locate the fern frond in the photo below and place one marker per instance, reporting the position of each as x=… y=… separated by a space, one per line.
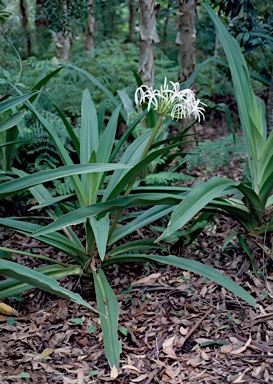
x=166 y=178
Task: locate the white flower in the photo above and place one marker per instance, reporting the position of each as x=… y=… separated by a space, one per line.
x=179 y=104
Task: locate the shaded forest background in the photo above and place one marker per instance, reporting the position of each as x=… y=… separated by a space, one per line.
x=103 y=38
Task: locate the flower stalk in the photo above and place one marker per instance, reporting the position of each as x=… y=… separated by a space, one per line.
x=176 y=103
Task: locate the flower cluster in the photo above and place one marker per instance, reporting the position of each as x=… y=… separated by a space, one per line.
x=179 y=104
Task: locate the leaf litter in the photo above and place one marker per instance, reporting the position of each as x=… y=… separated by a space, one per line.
x=181 y=328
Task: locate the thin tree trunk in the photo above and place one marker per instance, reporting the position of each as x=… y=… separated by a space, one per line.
x=147 y=38
x=90 y=33
x=132 y=20
x=269 y=108
x=185 y=38
x=24 y=23
x=63 y=44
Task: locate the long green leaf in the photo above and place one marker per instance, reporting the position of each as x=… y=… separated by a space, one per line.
x=11 y=287
x=42 y=195
x=12 y=121
x=109 y=308
x=196 y=200
x=38 y=280
x=189 y=265
x=100 y=229
x=136 y=246
x=147 y=217
x=24 y=182
x=130 y=156
x=108 y=138
x=126 y=134
x=253 y=123
x=89 y=137
x=13 y=102
x=69 y=129
x=61 y=242
x=138 y=200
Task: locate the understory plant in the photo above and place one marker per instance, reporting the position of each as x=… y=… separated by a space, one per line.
x=92 y=226
x=250 y=203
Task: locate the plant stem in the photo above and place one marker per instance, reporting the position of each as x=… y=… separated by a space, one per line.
x=130 y=186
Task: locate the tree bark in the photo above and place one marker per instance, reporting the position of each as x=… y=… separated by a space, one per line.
x=63 y=46
x=24 y=23
x=147 y=38
x=90 y=33
x=63 y=43
x=185 y=38
x=132 y=20
x=269 y=108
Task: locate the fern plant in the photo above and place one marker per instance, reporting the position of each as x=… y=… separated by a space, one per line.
x=209 y=155
x=167 y=178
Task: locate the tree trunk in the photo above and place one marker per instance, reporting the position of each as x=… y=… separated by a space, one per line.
x=90 y=33
x=63 y=42
x=269 y=108
x=24 y=23
x=63 y=46
x=185 y=38
x=147 y=38
x=132 y=20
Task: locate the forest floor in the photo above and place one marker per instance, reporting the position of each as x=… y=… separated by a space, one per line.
x=176 y=327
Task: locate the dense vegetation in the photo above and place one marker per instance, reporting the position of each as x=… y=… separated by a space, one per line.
x=91 y=154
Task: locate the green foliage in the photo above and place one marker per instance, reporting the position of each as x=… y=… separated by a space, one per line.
x=105 y=184
x=65 y=17
x=250 y=211
x=166 y=178
x=4 y=15
x=209 y=155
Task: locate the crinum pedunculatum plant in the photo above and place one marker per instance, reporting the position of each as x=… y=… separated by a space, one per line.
x=175 y=103
x=103 y=172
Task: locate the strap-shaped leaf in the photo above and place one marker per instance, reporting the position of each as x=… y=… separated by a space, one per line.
x=13 y=102
x=197 y=199
x=28 y=181
x=188 y=265
x=11 y=287
x=100 y=229
x=38 y=280
x=138 y=200
x=12 y=121
x=109 y=311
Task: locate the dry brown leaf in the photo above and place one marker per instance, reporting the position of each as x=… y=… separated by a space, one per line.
x=195 y=361
x=238 y=378
x=168 y=342
x=170 y=372
x=46 y=352
x=242 y=349
x=80 y=378
x=7 y=310
x=131 y=367
x=204 y=355
x=139 y=378
x=226 y=348
x=114 y=372
x=147 y=279
x=183 y=330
